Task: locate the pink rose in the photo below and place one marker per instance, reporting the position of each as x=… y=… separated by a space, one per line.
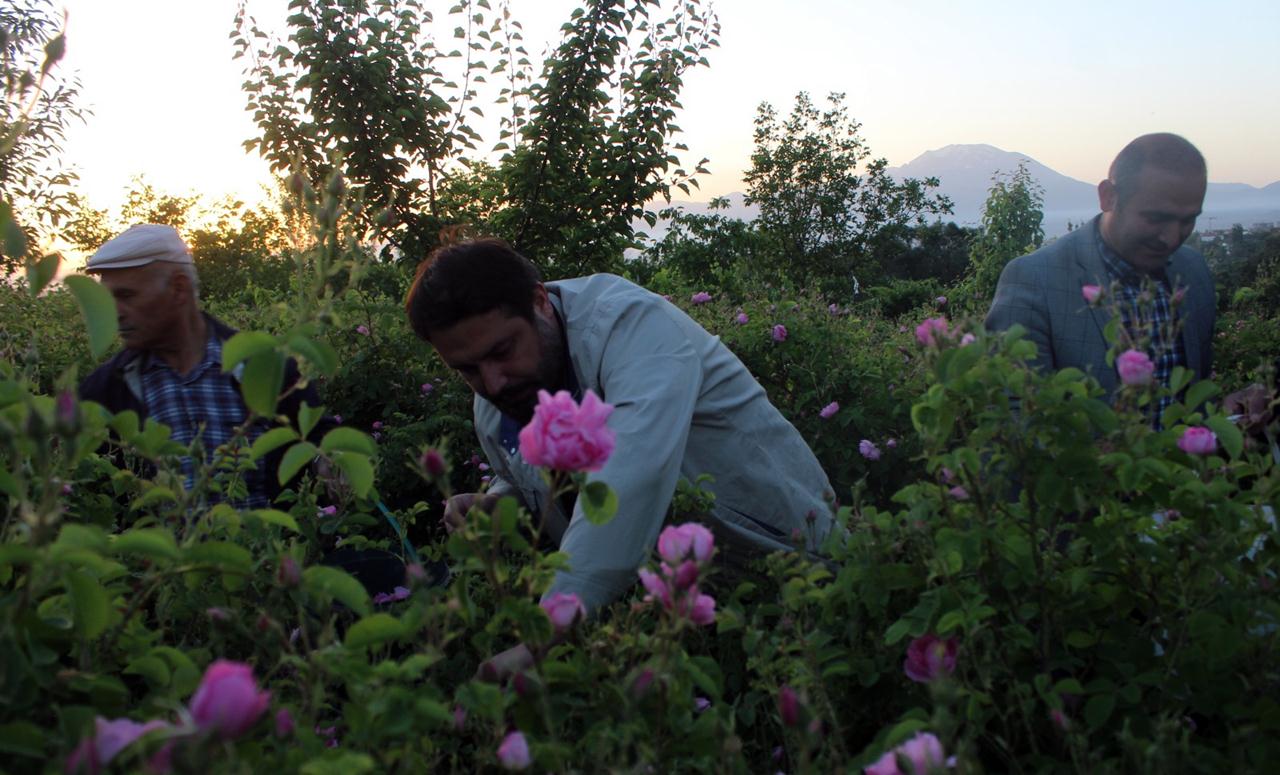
x=108 y=739
x=228 y=700
x=701 y=297
x=930 y=658
x=567 y=437
x=703 y=610
x=701 y=704
x=1198 y=440
x=941 y=301
x=284 y=723
x=563 y=609
x=868 y=450
x=395 y=595
x=684 y=576
x=1091 y=293
x=923 y=754
x=930 y=332
x=427 y=387
x=829 y=410
x=967 y=339
x=432 y=463
x=742 y=319
x=891 y=443
x=779 y=333
x=959 y=493
x=655 y=586
x=677 y=541
x=362 y=330
x=289 y=574
x=513 y=754
x=1135 y=367
x=327 y=511
x=788 y=706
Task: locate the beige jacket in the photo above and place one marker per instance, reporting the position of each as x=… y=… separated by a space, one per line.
x=684 y=405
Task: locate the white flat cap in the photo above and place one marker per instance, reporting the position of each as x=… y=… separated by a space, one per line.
x=139 y=245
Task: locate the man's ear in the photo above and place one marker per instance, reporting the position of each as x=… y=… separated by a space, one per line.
x=1108 y=196
x=180 y=285
x=541 y=303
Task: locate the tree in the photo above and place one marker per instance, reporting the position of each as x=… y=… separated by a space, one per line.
x=1012 y=226
x=360 y=84
x=822 y=199
x=38 y=108
x=594 y=152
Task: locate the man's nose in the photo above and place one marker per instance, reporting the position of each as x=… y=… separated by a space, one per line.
x=493 y=378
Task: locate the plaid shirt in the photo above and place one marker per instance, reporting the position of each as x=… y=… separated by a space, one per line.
x=206 y=404
x=1149 y=318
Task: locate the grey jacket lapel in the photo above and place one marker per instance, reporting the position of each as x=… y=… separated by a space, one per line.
x=1091 y=271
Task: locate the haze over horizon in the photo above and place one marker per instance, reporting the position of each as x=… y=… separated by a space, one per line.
x=167 y=102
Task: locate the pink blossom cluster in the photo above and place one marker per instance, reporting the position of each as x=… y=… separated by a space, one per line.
x=227 y=704
x=1135 y=368
x=1198 y=440
x=930 y=658
x=685 y=551
x=701 y=297
x=564 y=436
x=564 y=609
x=922 y=754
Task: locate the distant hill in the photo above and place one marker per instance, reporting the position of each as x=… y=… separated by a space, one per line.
x=965 y=171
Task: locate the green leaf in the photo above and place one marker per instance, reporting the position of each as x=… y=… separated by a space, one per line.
x=1098 y=709
x=374 y=630
x=308 y=416
x=153 y=496
x=271 y=441
x=22 y=738
x=949 y=621
x=88 y=603
x=348 y=440
x=298 y=456
x=599 y=502
x=154 y=669
x=221 y=554
x=39 y=273
x=99 y=311
x=243 y=346
x=12 y=238
x=274 y=517
x=1228 y=434
x=262 y=380
x=358 y=470
x=1198 y=393
x=345 y=763
x=340 y=585
x=897 y=631
x=319 y=353
x=147 y=541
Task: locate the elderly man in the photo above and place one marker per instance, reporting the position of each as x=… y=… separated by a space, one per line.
x=684 y=406
x=1164 y=291
x=171 y=367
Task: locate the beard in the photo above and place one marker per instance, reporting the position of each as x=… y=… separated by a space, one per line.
x=517 y=400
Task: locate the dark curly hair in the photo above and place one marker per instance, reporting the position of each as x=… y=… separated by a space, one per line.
x=466 y=279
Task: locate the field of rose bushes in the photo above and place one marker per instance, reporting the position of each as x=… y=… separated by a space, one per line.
x=1028 y=578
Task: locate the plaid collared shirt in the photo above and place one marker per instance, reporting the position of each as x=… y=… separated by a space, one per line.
x=206 y=404
x=1149 y=318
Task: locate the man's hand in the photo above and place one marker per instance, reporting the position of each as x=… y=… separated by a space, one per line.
x=1254 y=405
x=456 y=508
x=499 y=668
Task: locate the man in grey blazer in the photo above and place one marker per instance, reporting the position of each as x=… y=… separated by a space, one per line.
x=1133 y=252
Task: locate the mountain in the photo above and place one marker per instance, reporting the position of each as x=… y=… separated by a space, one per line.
x=965 y=171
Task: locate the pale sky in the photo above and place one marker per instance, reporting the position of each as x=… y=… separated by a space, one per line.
x=1067 y=84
